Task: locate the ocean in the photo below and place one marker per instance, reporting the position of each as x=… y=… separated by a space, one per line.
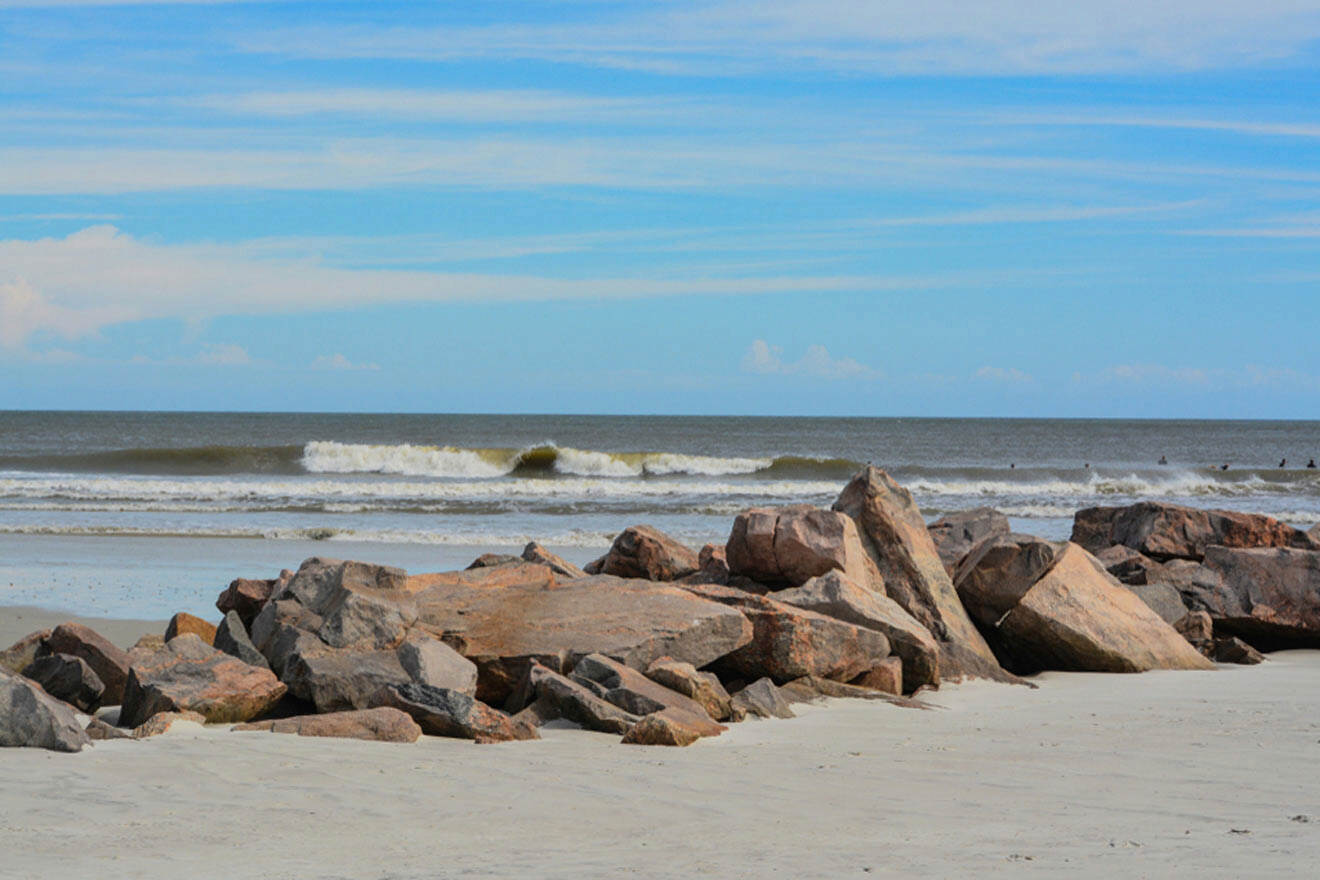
x=137 y=514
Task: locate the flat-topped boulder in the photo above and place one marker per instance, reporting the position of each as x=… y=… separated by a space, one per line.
x=382 y=724
x=29 y=717
x=1078 y=617
x=189 y=675
x=109 y=662
x=1270 y=597
x=1171 y=531
x=788 y=546
x=999 y=572
x=898 y=542
x=955 y=534
x=648 y=553
x=506 y=628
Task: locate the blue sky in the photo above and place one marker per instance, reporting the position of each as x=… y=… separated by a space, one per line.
x=780 y=207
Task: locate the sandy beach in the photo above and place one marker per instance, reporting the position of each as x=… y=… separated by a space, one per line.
x=1164 y=774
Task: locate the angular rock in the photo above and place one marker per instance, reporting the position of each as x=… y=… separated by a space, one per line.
x=789 y=642
x=17 y=656
x=1268 y=597
x=999 y=572
x=1164 y=599
x=431 y=663
x=1129 y=566
x=713 y=564
x=490 y=560
x=894 y=534
x=320 y=583
x=886 y=676
x=189 y=675
x=335 y=680
x=834 y=595
x=146 y=645
x=444 y=712
x=248 y=597
x=382 y=724
x=649 y=554
x=809 y=689
x=661 y=730
x=161 y=722
x=957 y=533
x=108 y=662
x=786 y=547
x=1077 y=617
x=29 y=717
x=505 y=629
x=184 y=623
x=97 y=729
x=633 y=692
x=556 y=696
x=232 y=638
x=1170 y=531
x=703 y=687
x=535 y=553
x=1231 y=649
x=1199 y=631
x=762 y=699
x=67 y=678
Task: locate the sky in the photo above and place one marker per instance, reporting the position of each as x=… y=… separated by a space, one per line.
x=1102 y=208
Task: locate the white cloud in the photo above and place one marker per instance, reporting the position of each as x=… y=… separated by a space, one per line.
x=766 y=359
x=337 y=361
x=24 y=311
x=1004 y=375
x=224 y=354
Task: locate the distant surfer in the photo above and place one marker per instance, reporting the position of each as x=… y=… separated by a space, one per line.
x=1223 y=467
x=1311 y=464
x=1012 y=466
x=1283 y=463
x=1164 y=460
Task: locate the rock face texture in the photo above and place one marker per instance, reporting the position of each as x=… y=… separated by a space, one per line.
x=189 y=675
x=834 y=595
x=1268 y=597
x=544 y=695
x=535 y=553
x=633 y=692
x=17 y=656
x=444 y=712
x=956 y=534
x=382 y=724
x=999 y=572
x=31 y=717
x=896 y=538
x=649 y=554
x=108 y=662
x=661 y=730
x=248 y=597
x=67 y=678
x=184 y=623
x=703 y=687
x=1169 y=531
x=785 y=547
x=1077 y=617
x=232 y=638
x=789 y=642
x=762 y=699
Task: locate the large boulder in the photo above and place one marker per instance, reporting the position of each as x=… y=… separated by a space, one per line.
x=31 y=717
x=895 y=536
x=247 y=597
x=535 y=553
x=189 y=675
x=789 y=642
x=1077 y=617
x=835 y=595
x=957 y=533
x=999 y=572
x=17 y=656
x=382 y=724
x=647 y=553
x=506 y=628
x=232 y=638
x=1170 y=531
x=108 y=662
x=67 y=678
x=786 y=547
x=445 y=712
x=1269 y=597
x=634 y=692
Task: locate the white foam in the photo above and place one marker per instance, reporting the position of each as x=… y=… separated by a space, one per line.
x=327 y=457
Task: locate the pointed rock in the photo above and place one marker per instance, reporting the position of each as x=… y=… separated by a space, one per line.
x=17 y=656
x=108 y=662
x=535 y=553
x=232 y=638
x=649 y=554
x=998 y=573
x=633 y=692
x=184 y=623
x=555 y=695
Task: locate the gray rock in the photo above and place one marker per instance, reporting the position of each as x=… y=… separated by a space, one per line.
x=29 y=717
x=999 y=572
x=17 y=656
x=565 y=698
x=633 y=692
x=1163 y=599
x=232 y=638
x=444 y=712
x=762 y=699
x=957 y=533
x=109 y=662
x=432 y=663
x=67 y=678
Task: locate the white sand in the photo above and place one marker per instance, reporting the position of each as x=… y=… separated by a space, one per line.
x=17 y=621
x=1091 y=775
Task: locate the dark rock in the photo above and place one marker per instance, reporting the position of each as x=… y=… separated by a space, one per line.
x=762 y=699
x=490 y=560
x=957 y=533
x=184 y=623
x=17 y=656
x=108 y=662
x=1170 y=531
x=633 y=692
x=1268 y=597
x=382 y=724
x=232 y=638
x=1163 y=598
x=1129 y=566
x=788 y=546
x=189 y=675
x=248 y=597
x=29 y=717
x=998 y=573
x=1199 y=631
x=562 y=697
x=67 y=678
x=647 y=553
x=1230 y=649
x=444 y=712
x=535 y=553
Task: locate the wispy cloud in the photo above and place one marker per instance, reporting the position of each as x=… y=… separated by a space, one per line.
x=224 y=355
x=1004 y=376
x=337 y=361
x=817 y=362
x=1141 y=375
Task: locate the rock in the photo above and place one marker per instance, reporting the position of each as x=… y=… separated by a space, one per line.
x=1268 y=597
x=999 y=572
x=633 y=692
x=189 y=675
x=444 y=712
x=490 y=560
x=1170 y=531
x=67 y=678
x=661 y=730
x=1230 y=649
x=1163 y=599
x=108 y=662
x=183 y=623
x=887 y=676
x=29 y=717
x=894 y=534
x=432 y=663
x=161 y=722
x=505 y=629
x=957 y=533
x=248 y=597
x=321 y=582
x=17 y=656
x=786 y=547
x=1077 y=617
x=97 y=729
x=1129 y=566
x=834 y=595
x=647 y=553
x=335 y=680
x=762 y=699
x=713 y=564
x=1199 y=631
x=703 y=687
x=789 y=642
x=534 y=552
x=146 y=645
x=232 y=638
x=382 y=724
x=561 y=697
x=809 y=689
